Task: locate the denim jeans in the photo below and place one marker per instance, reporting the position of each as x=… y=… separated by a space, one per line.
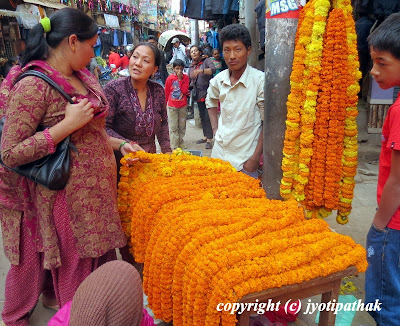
x=382 y=278
x=254 y=174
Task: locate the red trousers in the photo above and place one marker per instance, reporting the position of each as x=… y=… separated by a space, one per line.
x=26 y=281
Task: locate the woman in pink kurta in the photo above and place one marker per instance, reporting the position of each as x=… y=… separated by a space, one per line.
x=72 y=231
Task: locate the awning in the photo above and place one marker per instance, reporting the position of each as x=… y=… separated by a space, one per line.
x=10 y=13
x=46 y=3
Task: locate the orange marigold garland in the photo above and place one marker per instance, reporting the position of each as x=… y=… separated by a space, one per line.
x=212 y=235
x=322 y=174
x=296 y=98
x=307 y=120
x=349 y=158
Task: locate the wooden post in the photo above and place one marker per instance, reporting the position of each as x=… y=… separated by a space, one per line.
x=279 y=48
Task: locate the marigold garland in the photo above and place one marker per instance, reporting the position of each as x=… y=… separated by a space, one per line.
x=211 y=235
x=320 y=147
x=349 y=158
x=296 y=98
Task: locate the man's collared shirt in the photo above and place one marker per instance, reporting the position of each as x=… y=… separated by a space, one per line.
x=242 y=112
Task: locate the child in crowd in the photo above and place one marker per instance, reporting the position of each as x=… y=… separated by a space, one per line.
x=176 y=89
x=219 y=63
x=240 y=92
x=382 y=278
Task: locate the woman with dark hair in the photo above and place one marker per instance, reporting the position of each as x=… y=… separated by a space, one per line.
x=138 y=109
x=71 y=231
x=137 y=105
x=200 y=72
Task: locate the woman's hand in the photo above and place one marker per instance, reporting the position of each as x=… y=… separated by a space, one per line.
x=130 y=148
x=79 y=114
x=196 y=72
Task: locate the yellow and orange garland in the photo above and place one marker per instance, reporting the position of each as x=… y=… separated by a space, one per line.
x=320 y=147
x=207 y=235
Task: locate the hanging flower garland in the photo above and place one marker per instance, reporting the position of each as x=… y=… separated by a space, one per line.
x=322 y=174
x=349 y=158
x=326 y=165
x=308 y=116
x=296 y=98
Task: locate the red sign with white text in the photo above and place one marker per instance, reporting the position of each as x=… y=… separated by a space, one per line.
x=282 y=9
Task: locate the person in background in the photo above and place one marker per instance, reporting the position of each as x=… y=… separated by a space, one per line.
x=382 y=278
x=111 y=296
x=207 y=51
x=178 y=50
x=176 y=89
x=114 y=59
x=200 y=73
x=8 y=65
x=94 y=68
x=126 y=57
x=57 y=230
x=240 y=92
x=219 y=63
x=161 y=75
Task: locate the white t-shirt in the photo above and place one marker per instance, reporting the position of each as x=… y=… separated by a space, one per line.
x=30 y=17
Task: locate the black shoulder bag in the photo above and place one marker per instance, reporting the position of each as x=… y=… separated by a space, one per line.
x=51 y=171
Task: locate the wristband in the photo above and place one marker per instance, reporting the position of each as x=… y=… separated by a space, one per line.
x=122 y=144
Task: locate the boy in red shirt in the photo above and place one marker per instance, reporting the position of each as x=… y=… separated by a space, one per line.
x=114 y=59
x=382 y=278
x=176 y=89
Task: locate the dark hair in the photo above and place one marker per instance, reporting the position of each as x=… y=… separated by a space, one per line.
x=386 y=36
x=64 y=22
x=235 y=32
x=196 y=46
x=152 y=37
x=178 y=62
x=113 y=49
x=215 y=49
x=156 y=52
x=206 y=51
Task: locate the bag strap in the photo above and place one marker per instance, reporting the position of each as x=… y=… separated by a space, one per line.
x=47 y=79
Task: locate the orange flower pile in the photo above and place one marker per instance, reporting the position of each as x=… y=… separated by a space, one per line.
x=210 y=236
x=320 y=160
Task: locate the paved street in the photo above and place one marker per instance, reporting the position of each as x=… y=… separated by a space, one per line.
x=364 y=206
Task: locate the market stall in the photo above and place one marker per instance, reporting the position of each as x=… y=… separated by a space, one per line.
x=208 y=235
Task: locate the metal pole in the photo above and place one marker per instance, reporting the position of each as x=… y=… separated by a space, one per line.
x=251 y=24
x=279 y=48
x=194 y=31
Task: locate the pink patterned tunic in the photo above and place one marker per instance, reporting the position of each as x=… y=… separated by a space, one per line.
x=90 y=192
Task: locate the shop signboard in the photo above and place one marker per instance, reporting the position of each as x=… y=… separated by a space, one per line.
x=283 y=8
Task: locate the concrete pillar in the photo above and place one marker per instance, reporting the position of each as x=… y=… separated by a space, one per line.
x=279 y=48
x=251 y=24
x=194 y=31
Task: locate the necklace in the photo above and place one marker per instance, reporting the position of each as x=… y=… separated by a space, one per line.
x=65 y=76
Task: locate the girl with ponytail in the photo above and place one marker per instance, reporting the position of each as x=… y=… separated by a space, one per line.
x=66 y=233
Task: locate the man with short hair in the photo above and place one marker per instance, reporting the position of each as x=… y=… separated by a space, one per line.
x=240 y=92
x=178 y=50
